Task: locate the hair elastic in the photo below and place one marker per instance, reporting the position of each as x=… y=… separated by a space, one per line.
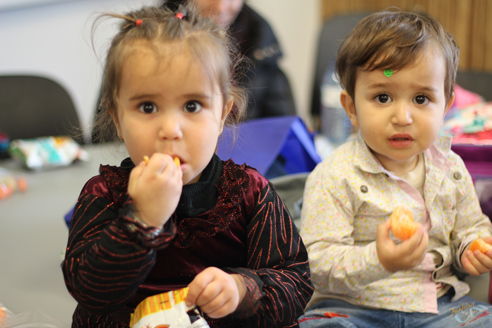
x=179 y=15
x=138 y=22
x=388 y=72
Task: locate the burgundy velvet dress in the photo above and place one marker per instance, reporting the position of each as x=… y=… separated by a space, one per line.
x=231 y=219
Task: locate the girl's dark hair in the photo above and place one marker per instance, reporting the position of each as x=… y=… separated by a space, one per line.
x=394 y=40
x=207 y=42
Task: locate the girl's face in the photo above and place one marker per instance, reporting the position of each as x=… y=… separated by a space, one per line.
x=169 y=106
x=223 y=11
x=400 y=115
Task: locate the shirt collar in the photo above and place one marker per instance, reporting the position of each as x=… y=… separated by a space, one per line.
x=365 y=160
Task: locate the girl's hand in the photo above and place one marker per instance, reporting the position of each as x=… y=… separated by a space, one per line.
x=216 y=293
x=155 y=189
x=477 y=263
x=404 y=256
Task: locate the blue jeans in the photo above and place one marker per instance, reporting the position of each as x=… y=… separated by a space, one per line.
x=465 y=312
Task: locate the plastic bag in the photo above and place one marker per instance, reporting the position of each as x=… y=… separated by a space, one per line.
x=167 y=310
x=45 y=152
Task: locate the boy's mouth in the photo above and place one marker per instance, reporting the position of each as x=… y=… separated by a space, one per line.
x=400 y=140
x=401 y=137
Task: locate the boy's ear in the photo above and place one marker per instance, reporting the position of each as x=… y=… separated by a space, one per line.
x=449 y=104
x=225 y=113
x=349 y=105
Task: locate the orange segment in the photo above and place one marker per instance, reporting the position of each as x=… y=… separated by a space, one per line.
x=177 y=162
x=22 y=184
x=480 y=245
x=402 y=224
x=146 y=159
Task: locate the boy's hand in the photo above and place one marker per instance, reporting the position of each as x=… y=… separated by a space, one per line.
x=155 y=189
x=477 y=263
x=216 y=293
x=404 y=256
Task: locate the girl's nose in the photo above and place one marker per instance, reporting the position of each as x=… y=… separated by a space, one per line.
x=170 y=127
x=402 y=114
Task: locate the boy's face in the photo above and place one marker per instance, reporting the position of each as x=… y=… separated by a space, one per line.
x=399 y=116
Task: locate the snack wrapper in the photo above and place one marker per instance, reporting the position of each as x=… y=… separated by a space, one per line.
x=46 y=152
x=167 y=310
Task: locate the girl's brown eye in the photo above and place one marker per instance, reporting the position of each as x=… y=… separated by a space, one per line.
x=192 y=107
x=148 y=108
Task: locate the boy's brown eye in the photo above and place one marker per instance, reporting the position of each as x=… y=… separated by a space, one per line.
x=420 y=99
x=383 y=98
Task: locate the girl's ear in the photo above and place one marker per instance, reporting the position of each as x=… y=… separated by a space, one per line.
x=116 y=122
x=349 y=105
x=225 y=113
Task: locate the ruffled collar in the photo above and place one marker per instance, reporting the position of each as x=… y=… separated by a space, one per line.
x=205 y=208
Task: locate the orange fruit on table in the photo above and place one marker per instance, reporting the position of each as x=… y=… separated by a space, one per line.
x=480 y=245
x=402 y=224
x=22 y=184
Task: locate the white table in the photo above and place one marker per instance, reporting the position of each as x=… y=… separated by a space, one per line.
x=33 y=234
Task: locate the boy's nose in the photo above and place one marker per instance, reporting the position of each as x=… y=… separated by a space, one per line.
x=402 y=114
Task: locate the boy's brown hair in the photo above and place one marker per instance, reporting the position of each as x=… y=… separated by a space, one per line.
x=393 y=40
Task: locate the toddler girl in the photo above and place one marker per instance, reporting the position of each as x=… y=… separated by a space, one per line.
x=142 y=229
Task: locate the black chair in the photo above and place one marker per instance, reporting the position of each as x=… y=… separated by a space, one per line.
x=332 y=34
x=478 y=82
x=34 y=106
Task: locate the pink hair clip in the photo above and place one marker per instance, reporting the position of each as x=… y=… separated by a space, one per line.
x=138 y=22
x=179 y=15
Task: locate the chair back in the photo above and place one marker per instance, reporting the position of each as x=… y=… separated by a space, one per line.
x=35 y=106
x=332 y=34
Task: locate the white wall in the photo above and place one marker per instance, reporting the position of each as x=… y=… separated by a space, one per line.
x=54 y=40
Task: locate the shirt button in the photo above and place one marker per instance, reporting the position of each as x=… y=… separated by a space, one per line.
x=364 y=189
x=457 y=175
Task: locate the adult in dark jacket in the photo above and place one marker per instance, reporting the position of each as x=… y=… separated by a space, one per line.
x=271 y=94
x=270 y=91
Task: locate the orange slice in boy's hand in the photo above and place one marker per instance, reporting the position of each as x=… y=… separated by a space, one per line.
x=479 y=244
x=146 y=159
x=402 y=224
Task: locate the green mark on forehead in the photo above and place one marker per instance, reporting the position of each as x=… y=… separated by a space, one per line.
x=388 y=72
